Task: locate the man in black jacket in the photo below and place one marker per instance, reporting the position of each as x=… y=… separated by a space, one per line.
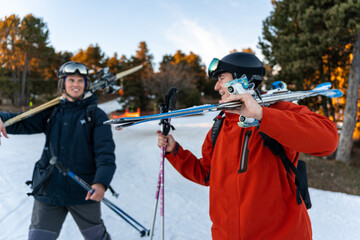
x=76 y=136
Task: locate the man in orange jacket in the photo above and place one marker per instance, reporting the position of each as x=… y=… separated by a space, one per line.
x=251 y=194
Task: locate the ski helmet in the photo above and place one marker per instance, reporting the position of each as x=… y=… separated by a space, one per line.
x=73 y=68
x=238 y=63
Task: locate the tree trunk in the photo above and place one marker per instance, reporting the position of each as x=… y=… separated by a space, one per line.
x=16 y=93
x=352 y=95
x=324 y=103
x=23 y=82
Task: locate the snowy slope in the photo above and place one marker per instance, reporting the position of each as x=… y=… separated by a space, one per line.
x=333 y=215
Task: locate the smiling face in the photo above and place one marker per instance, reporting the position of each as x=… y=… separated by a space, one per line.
x=219 y=86
x=74 y=87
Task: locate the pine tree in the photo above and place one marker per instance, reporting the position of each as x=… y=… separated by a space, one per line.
x=308 y=41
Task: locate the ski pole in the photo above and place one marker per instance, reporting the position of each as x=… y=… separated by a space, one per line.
x=162 y=195
x=155 y=207
x=108 y=203
x=160 y=191
x=119 y=212
x=165 y=129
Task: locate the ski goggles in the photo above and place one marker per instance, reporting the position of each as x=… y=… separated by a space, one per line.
x=75 y=68
x=213 y=69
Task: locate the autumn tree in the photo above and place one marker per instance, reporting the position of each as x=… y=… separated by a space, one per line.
x=179 y=76
x=185 y=72
x=92 y=57
x=9 y=32
x=22 y=42
x=344 y=21
x=114 y=63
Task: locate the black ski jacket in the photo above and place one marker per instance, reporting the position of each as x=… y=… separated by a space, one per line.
x=85 y=147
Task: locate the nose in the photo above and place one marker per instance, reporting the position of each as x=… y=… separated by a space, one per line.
x=78 y=83
x=217 y=86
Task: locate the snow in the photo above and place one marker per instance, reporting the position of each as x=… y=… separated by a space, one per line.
x=333 y=215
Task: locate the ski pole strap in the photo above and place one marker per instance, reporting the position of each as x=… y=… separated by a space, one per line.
x=166 y=126
x=115 y=194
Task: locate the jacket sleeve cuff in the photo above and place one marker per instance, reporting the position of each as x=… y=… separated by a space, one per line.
x=175 y=150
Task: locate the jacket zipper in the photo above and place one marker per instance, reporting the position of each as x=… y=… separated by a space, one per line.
x=245 y=153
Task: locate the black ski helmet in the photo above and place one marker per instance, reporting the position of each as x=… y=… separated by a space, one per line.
x=73 y=68
x=238 y=63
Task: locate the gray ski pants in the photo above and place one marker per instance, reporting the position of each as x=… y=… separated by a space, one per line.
x=47 y=220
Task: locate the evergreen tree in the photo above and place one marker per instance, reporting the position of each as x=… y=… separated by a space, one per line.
x=136 y=94
x=308 y=41
x=344 y=21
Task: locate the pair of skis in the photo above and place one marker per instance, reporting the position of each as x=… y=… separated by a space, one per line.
x=266 y=99
x=104 y=81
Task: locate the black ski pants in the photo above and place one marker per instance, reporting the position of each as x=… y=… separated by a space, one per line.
x=47 y=220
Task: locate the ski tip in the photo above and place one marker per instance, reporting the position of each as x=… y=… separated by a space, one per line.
x=113 y=121
x=108 y=122
x=322 y=86
x=124 y=125
x=332 y=93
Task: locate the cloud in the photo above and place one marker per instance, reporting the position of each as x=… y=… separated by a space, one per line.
x=188 y=35
x=234 y=4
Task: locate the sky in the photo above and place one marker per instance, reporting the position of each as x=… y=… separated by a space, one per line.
x=333 y=215
x=208 y=28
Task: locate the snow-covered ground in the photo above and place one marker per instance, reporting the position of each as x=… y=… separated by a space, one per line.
x=334 y=215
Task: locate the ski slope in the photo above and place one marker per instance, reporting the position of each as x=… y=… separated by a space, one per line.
x=334 y=215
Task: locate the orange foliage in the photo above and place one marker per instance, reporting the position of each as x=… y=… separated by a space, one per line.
x=126 y=114
x=339 y=77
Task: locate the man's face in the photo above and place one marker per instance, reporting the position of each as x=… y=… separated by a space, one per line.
x=219 y=86
x=74 y=86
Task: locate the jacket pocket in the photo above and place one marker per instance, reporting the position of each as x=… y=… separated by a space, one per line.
x=245 y=153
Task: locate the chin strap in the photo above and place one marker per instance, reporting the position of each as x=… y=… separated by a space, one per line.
x=74 y=99
x=85 y=95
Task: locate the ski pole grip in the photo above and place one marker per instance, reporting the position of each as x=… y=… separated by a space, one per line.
x=170 y=99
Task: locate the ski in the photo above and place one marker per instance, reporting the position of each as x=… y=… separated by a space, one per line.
x=266 y=99
x=104 y=81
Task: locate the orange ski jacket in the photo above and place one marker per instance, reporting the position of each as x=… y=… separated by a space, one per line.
x=251 y=195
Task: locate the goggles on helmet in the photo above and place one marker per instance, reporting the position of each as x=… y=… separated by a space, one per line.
x=75 y=68
x=213 y=66
x=217 y=66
